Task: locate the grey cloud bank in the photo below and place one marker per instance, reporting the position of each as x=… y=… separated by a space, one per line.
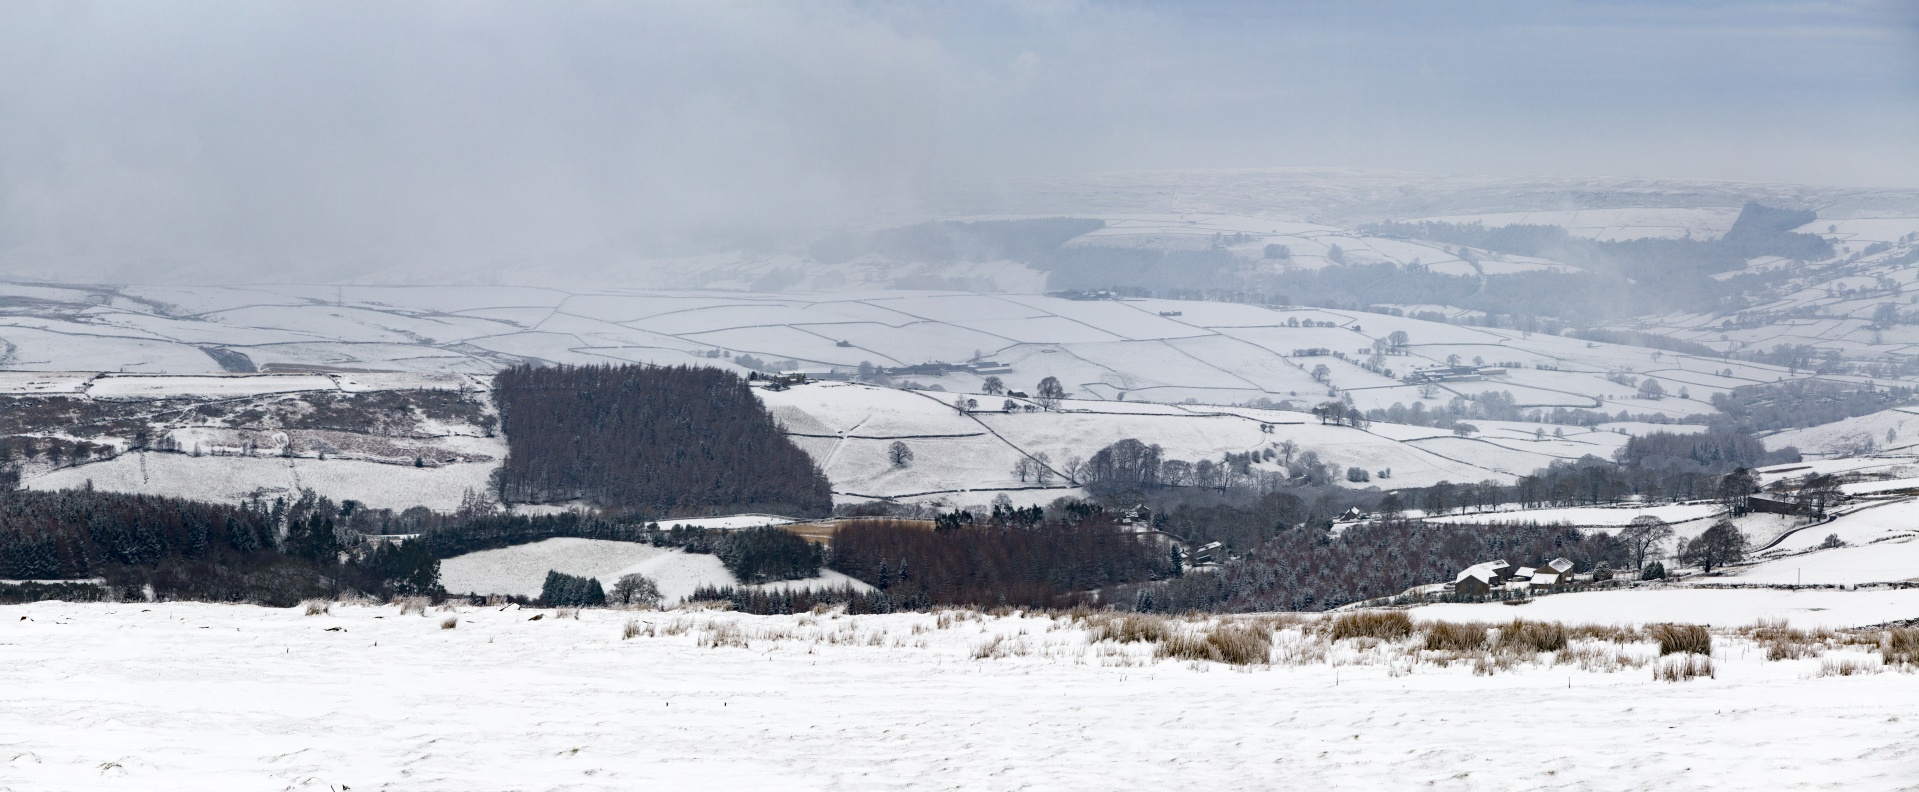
x=430 y=141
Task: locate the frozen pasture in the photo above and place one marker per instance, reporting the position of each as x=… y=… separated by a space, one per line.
x=521 y=569
x=176 y=696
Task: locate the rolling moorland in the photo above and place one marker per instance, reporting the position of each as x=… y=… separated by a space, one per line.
x=1230 y=455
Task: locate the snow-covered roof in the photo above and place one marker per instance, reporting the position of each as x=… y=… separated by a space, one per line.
x=1524 y=572
x=1545 y=579
x=1561 y=565
x=1485 y=571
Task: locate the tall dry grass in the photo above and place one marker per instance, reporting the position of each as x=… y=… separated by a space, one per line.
x=1901 y=646
x=316 y=607
x=1383 y=625
x=1456 y=637
x=1228 y=642
x=1132 y=628
x=1531 y=636
x=1683 y=667
x=1681 y=639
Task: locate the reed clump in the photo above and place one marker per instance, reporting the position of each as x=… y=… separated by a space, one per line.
x=1383 y=625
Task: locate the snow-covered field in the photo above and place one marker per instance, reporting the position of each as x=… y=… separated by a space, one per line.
x=521 y=569
x=1144 y=350
x=1649 y=604
x=230 y=479
x=219 y=697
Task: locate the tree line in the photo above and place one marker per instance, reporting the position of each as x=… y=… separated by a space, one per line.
x=273 y=553
x=993 y=563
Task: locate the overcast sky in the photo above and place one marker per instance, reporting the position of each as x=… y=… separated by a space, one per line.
x=333 y=139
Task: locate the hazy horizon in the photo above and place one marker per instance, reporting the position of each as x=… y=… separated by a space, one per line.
x=211 y=141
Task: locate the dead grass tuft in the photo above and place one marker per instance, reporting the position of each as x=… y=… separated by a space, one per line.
x=1227 y=642
x=1848 y=666
x=1128 y=629
x=1456 y=637
x=413 y=605
x=723 y=634
x=1681 y=638
x=1604 y=632
x=566 y=613
x=632 y=629
x=1531 y=636
x=449 y=622
x=316 y=607
x=1683 y=667
x=1384 y=625
x=1901 y=647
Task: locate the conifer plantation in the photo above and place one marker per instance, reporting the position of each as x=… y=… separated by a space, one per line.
x=650 y=441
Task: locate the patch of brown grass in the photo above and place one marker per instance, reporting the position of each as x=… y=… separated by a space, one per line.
x=1129 y=629
x=1384 y=625
x=1226 y=642
x=1456 y=637
x=316 y=607
x=1681 y=639
x=1847 y=666
x=449 y=622
x=413 y=605
x=1531 y=636
x=1901 y=646
x=632 y=629
x=1604 y=632
x=1683 y=667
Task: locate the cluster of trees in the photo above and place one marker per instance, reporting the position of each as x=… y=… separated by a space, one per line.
x=1131 y=470
x=765 y=554
x=650 y=441
x=571 y=591
x=1048 y=563
x=1307 y=569
x=1648 y=340
x=1802 y=403
x=1717 y=450
x=269 y=553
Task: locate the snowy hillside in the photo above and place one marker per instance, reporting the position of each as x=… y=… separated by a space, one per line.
x=969 y=457
x=386 y=440
x=520 y=570
x=1141 y=350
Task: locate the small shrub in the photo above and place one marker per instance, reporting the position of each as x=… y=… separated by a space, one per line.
x=1456 y=637
x=1683 y=667
x=1531 y=636
x=1832 y=542
x=1681 y=638
x=1901 y=647
x=1384 y=625
x=1653 y=571
x=316 y=607
x=449 y=622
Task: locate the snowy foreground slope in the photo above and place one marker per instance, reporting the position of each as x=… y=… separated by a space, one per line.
x=215 y=697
